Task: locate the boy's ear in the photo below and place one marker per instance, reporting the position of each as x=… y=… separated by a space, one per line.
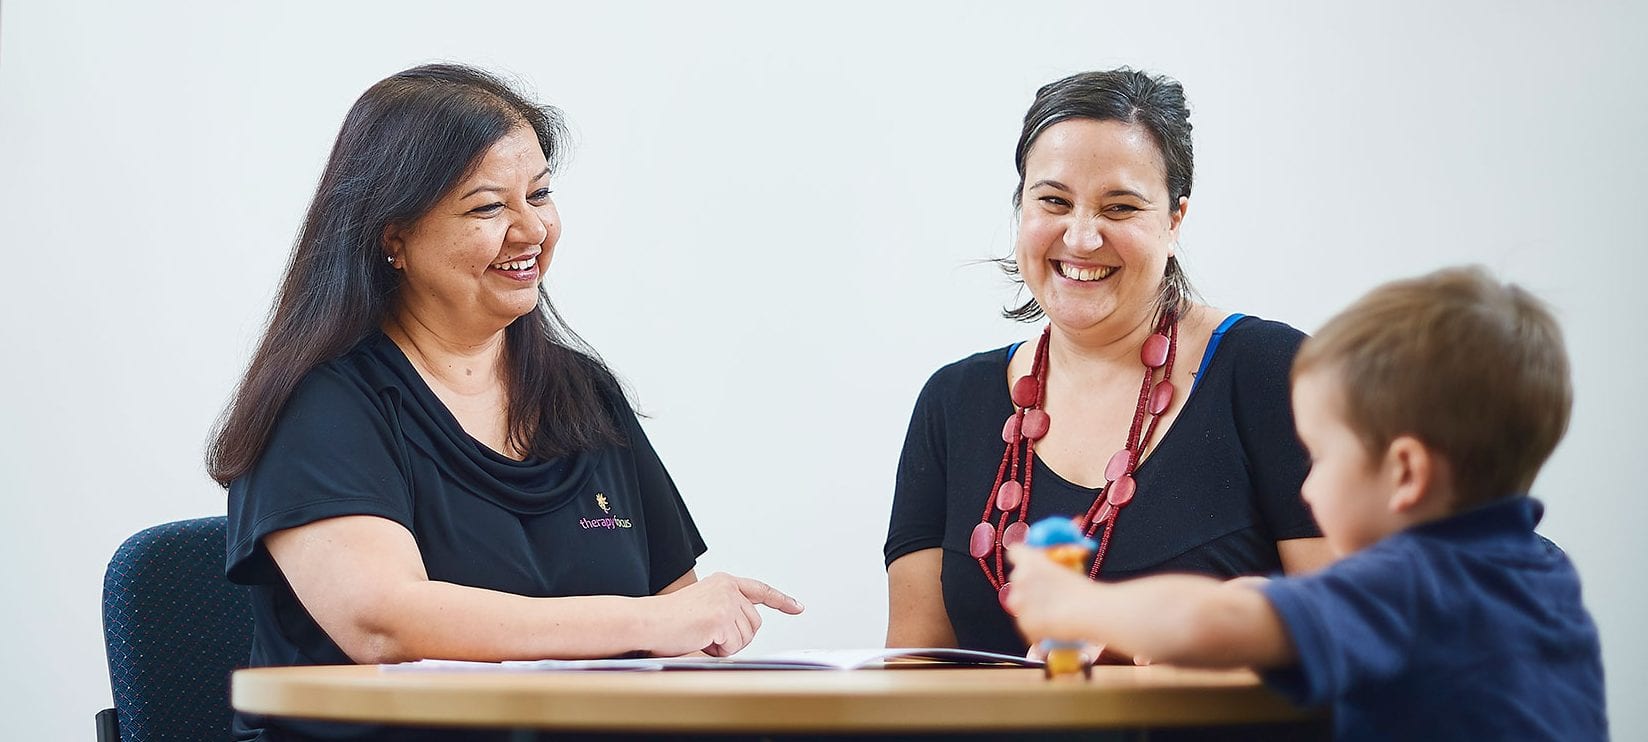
x=1411 y=471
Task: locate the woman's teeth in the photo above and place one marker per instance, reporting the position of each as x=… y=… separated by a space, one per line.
x=1084 y=274
x=517 y=265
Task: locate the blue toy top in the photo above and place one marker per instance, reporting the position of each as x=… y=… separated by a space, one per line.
x=1056 y=531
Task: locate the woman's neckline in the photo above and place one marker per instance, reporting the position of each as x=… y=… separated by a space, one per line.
x=1004 y=397
x=443 y=414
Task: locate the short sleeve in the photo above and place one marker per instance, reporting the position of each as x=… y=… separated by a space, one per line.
x=333 y=452
x=919 y=505
x=1351 y=624
x=1263 y=407
x=673 y=541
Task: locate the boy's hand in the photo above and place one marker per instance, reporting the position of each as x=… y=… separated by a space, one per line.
x=1256 y=582
x=1046 y=597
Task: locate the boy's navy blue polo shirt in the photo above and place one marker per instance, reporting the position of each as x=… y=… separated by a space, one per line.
x=1466 y=628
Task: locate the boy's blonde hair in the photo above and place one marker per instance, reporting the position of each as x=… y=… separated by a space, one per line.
x=1473 y=368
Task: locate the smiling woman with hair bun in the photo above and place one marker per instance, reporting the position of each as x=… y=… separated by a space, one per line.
x=1159 y=423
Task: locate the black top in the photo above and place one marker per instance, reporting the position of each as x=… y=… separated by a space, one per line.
x=1216 y=494
x=364 y=435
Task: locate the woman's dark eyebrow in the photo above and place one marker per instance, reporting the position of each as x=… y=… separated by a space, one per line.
x=1108 y=194
x=489 y=187
x=480 y=189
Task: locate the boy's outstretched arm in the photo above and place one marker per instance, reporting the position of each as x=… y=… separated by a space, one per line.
x=1179 y=619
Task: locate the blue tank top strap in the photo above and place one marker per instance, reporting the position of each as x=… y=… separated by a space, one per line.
x=1011 y=349
x=1213 y=345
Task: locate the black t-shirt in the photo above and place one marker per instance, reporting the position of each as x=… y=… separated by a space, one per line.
x=364 y=435
x=1219 y=490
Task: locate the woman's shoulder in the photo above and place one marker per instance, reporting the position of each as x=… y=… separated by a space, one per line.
x=1257 y=332
x=972 y=373
x=1256 y=351
x=1254 y=341
x=362 y=372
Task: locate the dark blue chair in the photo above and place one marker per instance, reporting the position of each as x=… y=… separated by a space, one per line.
x=174 y=628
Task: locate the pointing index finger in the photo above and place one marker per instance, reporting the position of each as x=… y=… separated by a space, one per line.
x=757 y=591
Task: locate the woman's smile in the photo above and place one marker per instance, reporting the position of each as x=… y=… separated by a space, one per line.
x=1084 y=273
x=523 y=269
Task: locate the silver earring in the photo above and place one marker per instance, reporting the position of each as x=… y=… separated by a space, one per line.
x=391 y=260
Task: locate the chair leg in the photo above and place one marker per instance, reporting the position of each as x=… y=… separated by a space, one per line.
x=108 y=726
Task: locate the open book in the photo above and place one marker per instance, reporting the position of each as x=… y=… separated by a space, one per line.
x=806 y=659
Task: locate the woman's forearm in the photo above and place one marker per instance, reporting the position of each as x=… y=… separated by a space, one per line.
x=442 y=620
x=362 y=580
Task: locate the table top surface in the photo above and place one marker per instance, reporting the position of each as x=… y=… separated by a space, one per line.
x=910 y=697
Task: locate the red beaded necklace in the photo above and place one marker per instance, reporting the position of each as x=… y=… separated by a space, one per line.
x=1030 y=422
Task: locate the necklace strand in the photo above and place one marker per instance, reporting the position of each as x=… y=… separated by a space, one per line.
x=1029 y=423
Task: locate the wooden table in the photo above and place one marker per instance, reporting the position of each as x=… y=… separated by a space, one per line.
x=901 y=699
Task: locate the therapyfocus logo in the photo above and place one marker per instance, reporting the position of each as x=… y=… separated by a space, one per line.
x=609 y=521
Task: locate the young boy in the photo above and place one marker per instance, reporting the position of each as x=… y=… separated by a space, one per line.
x=1427 y=408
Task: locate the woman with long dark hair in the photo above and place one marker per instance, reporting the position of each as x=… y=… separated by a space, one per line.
x=422 y=460
x=1160 y=423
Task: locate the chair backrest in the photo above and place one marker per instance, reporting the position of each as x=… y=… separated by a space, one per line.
x=174 y=628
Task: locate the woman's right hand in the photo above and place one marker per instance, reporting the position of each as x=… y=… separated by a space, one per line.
x=715 y=615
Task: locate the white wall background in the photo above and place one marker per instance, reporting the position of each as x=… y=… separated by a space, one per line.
x=769 y=222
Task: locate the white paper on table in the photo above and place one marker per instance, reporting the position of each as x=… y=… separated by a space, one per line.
x=805 y=659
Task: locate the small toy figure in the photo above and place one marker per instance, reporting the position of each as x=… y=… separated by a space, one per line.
x=1062 y=541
